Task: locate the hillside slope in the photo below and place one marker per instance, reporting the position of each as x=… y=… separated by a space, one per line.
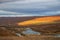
x=42 y=20
x=48 y=25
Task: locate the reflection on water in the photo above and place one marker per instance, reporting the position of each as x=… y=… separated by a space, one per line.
x=57 y=35
x=30 y=31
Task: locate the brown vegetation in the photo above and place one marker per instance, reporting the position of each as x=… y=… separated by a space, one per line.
x=8 y=26
x=31 y=37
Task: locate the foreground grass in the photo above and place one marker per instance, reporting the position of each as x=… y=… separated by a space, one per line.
x=30 y=37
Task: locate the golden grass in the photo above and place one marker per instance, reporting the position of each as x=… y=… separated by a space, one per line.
x=41 y=20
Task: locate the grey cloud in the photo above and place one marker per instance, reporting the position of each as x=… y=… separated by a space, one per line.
x=33 y=8
x=2 y=1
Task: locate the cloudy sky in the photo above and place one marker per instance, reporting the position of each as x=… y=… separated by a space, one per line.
x=29 y=7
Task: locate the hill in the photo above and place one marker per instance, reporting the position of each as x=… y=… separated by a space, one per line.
x=48 y=25
x=44 y=25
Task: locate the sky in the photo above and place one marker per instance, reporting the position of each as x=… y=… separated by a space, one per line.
x=16 y=8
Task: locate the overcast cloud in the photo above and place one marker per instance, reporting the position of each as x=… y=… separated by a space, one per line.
x=30 y=7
